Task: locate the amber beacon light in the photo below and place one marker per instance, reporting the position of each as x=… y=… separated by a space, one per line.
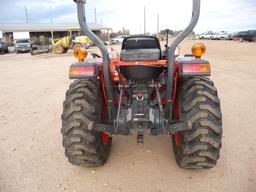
x=198 y=49
x=80 y=53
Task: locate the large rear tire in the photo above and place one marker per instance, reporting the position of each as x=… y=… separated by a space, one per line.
x=198 y=103
x=82 y=107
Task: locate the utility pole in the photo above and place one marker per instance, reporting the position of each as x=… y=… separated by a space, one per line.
x=157 y=24
x=26 y=12
x=51 y=13
x=144 y=20
x=95 y=14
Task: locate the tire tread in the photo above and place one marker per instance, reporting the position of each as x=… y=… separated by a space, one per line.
x=199 y=103
x=81 y=109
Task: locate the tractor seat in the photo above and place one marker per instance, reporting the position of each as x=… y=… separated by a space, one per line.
x=141 y=48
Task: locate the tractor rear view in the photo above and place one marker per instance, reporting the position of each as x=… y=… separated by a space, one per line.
x=139 y=91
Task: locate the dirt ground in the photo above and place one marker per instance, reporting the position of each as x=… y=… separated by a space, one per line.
x=32 y=90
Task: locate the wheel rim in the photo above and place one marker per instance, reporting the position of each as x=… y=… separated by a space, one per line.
x=104 y=138
x=177 y=138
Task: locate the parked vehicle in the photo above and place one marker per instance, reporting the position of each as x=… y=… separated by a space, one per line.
x=61 y=45
x=83 y=41
x=3 y=47
x=220 y=36
x=1 y=35
x=41 y=45
x=231 y=36
x=206 y=36
x=223 y=35
x=246 y=35
x=117 y=40
x=22 y=46
x=139 y=91
x=22 y=42
x=214 y=36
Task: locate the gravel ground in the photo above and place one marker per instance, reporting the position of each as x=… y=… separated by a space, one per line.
x=32 y=90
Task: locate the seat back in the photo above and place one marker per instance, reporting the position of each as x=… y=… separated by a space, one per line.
x=140 y=48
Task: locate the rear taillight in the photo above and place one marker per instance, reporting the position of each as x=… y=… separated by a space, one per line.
x=196 y=68
x=82 y=71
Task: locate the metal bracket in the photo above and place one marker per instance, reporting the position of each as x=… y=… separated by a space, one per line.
x=172 y=128
x=101 y=128
x=178 y=127
x=109 y=129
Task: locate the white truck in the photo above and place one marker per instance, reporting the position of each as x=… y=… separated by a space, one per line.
x=22 y=42
x=117 y=40
x=206 y=36
x=223 y=35
x=1 y=35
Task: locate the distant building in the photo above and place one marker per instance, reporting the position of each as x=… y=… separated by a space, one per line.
x=50 y=30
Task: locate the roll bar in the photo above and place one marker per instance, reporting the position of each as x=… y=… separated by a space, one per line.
x=104 y=52
x=178 y=39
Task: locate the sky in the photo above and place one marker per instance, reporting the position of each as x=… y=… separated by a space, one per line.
x=216 y=15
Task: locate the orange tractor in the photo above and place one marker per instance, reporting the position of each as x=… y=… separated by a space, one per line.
x=142 y=90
